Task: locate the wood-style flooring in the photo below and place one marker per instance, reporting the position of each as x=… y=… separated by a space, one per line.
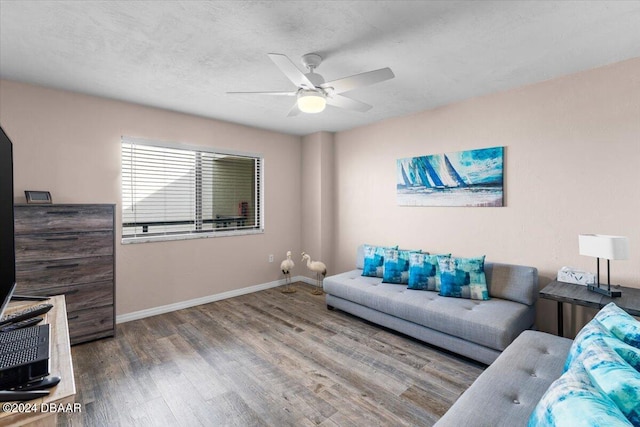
x=263 y=359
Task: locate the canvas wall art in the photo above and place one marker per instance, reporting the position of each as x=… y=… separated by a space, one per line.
x=463 y=178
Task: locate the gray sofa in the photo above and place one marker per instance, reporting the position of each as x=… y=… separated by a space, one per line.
x=480 y=330
x=506 y=393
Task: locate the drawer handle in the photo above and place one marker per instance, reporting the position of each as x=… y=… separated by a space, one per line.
x=63 y=212
x=73 y=317
x=51 y=267
x=60 y=239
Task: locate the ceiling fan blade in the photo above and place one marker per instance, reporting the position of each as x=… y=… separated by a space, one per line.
x=294 y=110
x=348 y=103
x=359 y=80
x=264 y=93
x=291 y=71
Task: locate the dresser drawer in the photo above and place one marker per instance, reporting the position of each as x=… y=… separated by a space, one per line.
x=85 y=325
x=77 y=297
x=46 y=274
x=43 y=247
x=61 y=218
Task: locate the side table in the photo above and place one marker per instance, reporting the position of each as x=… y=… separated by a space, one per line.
x=579 y=295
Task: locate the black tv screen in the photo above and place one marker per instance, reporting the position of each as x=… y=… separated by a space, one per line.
x=7 y=244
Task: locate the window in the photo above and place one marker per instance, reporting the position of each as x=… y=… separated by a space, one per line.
x=172 y=191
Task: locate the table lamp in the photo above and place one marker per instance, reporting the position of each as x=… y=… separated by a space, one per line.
x=603 y=246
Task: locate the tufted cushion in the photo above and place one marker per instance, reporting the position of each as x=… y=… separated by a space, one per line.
x=509 y=389
x=494 y=323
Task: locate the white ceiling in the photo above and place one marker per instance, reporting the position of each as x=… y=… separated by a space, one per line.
x=184 y=55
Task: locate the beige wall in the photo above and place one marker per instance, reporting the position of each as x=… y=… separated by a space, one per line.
x=571 y=160
x=317 y=199
x=69 y=144
x=571 y=166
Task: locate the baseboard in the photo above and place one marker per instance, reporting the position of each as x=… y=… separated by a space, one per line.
x=128 y=317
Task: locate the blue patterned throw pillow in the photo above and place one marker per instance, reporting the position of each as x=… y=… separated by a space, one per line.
x=601 y=381
x=463 y=278
x=374 y=260
x=596 y=330
x=614 y=377
x=620 y=323
x=572 y=400
x=424 y=272
x=396 y=266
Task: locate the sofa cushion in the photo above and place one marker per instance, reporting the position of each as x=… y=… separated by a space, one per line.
x=396 y=266
x=374 y=260
x=614 y=377
x=508 y=390
x=595 y=330
x=573 y=401
x=512 y=282
x=424 y=272
x=360 y=257
x=494 y=323
x=601 y=382
x=620 y=324
x=463 y=277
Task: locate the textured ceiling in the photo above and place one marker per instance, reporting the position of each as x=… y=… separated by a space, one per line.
x=184 y=55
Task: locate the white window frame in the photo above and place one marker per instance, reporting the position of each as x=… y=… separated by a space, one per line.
x=222 y=232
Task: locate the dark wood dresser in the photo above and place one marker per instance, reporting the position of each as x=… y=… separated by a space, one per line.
x=69 y=249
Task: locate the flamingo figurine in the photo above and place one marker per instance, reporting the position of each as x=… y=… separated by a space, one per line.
x=317 y=267
x=286 y=266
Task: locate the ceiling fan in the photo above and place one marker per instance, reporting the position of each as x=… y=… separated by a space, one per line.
x=314 y=93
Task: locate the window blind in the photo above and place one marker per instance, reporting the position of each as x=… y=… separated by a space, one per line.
x=171 y=191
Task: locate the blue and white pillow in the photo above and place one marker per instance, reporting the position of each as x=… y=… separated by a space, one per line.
x=572 y=400
x=374 y=260
x=424 y=273
x=620 y=323
x=616 y=328
x=614 y=377
x=396 y=266
x=463 y=277
x=601 y=382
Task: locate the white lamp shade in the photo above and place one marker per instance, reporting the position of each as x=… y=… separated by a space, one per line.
x=604 y=246
x=311 y=101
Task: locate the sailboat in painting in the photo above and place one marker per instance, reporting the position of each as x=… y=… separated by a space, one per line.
x=465 y=178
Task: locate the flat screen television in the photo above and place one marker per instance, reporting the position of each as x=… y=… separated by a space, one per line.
x=7 y=243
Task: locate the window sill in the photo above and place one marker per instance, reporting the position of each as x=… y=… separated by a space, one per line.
x=206 y=235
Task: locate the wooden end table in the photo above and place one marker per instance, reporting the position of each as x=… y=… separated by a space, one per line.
x=579 y=295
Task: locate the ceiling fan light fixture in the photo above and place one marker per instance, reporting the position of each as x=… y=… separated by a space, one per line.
x=311 y=101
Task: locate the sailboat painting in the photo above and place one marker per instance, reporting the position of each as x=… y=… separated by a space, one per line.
x=463 y=178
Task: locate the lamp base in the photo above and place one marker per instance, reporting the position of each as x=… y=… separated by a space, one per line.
x=604 y=291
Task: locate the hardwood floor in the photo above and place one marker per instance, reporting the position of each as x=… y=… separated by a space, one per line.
x=263 y=359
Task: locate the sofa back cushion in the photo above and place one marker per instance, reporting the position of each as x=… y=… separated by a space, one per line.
x=512 y=282
x=360 y=257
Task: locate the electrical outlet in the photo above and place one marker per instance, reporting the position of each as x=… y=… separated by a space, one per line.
x=270 y=257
